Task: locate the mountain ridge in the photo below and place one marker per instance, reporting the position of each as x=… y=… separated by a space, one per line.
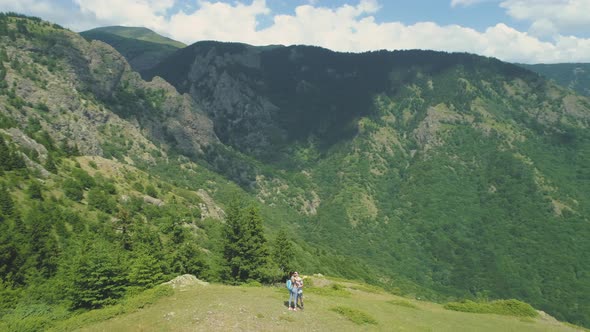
x=441 y=131
x=575 y=76
x=448 y=176
x=142 y=47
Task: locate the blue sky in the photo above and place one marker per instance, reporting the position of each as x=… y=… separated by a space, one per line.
x=529 y=31
x=409 y=12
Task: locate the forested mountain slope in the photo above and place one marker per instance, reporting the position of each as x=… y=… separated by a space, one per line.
x=433 y=174
x=575 y=76
x=142 y=47
x=99 y=198
x=462 y=173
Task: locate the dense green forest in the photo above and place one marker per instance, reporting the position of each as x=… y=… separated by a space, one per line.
x=79 y=231
x=142 y=47
x=435 y=175
x=575 y=76
x=460 y=173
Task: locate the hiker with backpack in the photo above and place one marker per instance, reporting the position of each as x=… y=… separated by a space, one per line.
x=293 y=291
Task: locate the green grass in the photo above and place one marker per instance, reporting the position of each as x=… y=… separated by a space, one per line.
x=226 y=308
x=403 y=303
x=128 y=305
x=331 y=290
x=500 y=307
x=354 y=315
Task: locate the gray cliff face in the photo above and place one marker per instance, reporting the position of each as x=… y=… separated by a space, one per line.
x=242 y=116
x=77 y=99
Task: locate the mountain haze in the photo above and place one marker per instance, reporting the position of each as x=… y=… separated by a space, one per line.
x=435 y=175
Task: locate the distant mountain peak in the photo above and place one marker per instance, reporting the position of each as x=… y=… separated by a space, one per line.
x=139 y=33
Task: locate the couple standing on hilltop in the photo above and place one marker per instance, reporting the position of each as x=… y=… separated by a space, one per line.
x=295 y=287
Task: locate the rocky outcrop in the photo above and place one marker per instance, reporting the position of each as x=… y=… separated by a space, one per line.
x=209 y=209
x=83 y=98
x=185 y=280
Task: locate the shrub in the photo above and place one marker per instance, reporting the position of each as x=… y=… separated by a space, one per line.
x=501 y=307
x=101 y=200
x=73 y=190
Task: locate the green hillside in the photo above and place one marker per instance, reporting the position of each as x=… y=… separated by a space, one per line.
x=464 y=174
x=434 y=175
x=138 y=33
x=575 y=76
x=352 y=307
x=142 y=47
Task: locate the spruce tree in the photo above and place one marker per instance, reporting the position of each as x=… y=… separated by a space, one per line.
x=146 y=271
x=5 y=156
x=123 y=224
x=245 y=249
x=188 y=258
x=44 y=247
x=6 y=203
x=256 y=252
x=50 y=164
x=97 y=277
x=233 y=232
x=283 y=252
x=34 y=191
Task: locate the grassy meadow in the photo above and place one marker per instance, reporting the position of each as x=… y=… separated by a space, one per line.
x=329 y=306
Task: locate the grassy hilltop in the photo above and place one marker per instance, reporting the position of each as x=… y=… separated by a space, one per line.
x=330 y=305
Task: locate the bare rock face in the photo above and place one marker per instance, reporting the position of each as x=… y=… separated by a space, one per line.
x=26 y=142
x=209 y=208
x=185 y=280
x=91 y=99
x=153 y=201
x=231 y=102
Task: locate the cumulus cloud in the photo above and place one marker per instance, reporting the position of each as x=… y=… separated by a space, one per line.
x=125 y=11
x=349 y=27
x=548 y=17
x=218 y=21
x=563 y=13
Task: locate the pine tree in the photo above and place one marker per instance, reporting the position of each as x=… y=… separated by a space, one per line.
x=6 y=203
x=98 y=278
x=256 y=254
x=245 y=250
x=17 y=161
x=50 y=164
x=123 y=224
x=146 y=271
x=5 y=157
x=34 y=191
x=283 y=252
x=9 y=252
x=188 y=258
x=44 y=247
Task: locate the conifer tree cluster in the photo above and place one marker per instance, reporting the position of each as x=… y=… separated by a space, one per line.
x=246 y=251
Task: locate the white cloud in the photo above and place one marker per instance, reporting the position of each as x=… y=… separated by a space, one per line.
x=127 y=12
x=455 y=3
x=217 y=20
x=561 y=12
x=567 y=16
x=345 y=28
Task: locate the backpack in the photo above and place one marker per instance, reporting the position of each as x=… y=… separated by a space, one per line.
x=289 y=284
